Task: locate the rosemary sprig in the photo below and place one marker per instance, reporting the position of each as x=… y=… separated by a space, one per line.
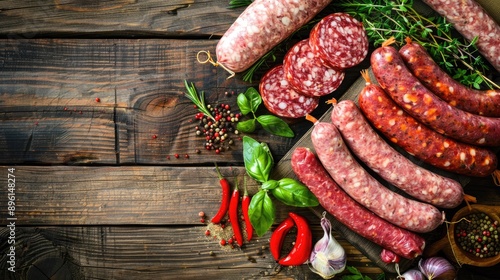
x=197 y=99
x=239 y=3
x=398 y=18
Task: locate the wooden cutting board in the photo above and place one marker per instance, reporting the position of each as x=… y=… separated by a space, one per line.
x=370 y=249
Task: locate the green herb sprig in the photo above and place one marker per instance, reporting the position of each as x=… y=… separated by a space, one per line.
x=258 y=165
x=248 y=104
x=398 y=18
x=197 y=99
x=239 y=3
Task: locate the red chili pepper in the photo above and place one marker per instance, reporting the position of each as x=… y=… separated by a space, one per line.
x=303 y=243
x=245 y=204
x=278 y=236
x=226 y=194
x=233 y=215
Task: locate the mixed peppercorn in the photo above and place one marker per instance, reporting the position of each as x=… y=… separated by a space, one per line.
x=218 y=132
x=478 y=234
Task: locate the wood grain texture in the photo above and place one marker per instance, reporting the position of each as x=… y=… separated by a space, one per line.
x=122 y=18
x=101 y=252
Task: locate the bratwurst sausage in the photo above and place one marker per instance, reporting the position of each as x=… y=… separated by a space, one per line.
x=421 y=64
x=409 y=93
x=260 y=27
x=362 y=187
x=419 y=140
x=391 y=165
x=350 y=213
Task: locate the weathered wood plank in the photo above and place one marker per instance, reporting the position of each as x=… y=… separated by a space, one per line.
x=101 y=252
x=33 y=18
x=49 y=113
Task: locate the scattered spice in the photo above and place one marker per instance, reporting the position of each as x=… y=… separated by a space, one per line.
x=97 y=99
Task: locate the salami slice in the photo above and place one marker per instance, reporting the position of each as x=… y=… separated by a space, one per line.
x=281 y=99
x=340 y=40
x=306 y=72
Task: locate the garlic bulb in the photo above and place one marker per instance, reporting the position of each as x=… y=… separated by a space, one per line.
x=328 y=256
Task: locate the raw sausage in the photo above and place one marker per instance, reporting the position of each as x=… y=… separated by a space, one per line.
x=281 y=99
x=421 y=64
x=306 y=73
x=340 y=40
x=409 y=93
x=419 y=140
x=350 y=213
x=362 y=187
x=391 y=165
x=260 y=27
x=471 y=20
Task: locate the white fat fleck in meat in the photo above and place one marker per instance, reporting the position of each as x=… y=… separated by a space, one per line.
x=282 y=105
x=407 y=98
x=446 y=144
x=392 y=122
x=472 y=152
x=286 y=21
x=462 y=156
x=446 y=164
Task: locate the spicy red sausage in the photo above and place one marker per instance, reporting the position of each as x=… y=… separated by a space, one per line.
x=260 y=27
x=421 y=64
x=419 y=140
x=343 y=208
x=362 y=187
x=409 y=93
x=391 y=165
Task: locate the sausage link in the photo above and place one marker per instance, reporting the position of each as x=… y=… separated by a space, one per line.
x=350 y=213
x=409 y=93
x=421 y=64
x=260 y=27
x=419 y=140
x=362 y=187
x=471 y=20
x=391 y=165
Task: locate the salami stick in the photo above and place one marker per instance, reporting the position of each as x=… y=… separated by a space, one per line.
x=361 y=186
x=350 y=213
x=409 y=93
x=260 y=27
x=421 y=64
x=471 y=20
x=391 y=165
x=419 y=140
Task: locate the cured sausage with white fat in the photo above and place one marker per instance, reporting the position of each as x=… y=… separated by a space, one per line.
x=471 y=20
x=409 y=93
x=421 y=64
x=260 y=27
x=421 y=141
x=391 y=165
x=350 y=213
x=366 y=190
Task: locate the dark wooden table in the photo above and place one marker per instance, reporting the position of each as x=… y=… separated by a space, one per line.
x=92 y=112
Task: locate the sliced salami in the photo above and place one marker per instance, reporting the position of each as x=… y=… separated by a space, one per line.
x=305 y=71
x=281 y=99
x=340 y=40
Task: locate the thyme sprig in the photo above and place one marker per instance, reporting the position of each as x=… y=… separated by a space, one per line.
x=239 y=3
x=399 y=19
x=197 y=99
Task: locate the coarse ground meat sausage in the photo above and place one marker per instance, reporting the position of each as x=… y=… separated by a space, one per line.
x=471 y=20
x=391 y=165
x=361 y=186
x=281 y=99
x=421 y=64
x=409 y=93
x=260 y=27
x=350 y=213
x=421 y=141
x=305 y=72
x=340 y=40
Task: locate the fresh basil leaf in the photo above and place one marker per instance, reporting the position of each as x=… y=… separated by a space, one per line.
x=243 y=104
x=292 y=192
x=269 y=185
x=261 y=212
x=275 y=125
x=247 y=126
x=257 y=158
x=254 y=98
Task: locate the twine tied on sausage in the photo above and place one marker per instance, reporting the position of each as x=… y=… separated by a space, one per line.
x=214 y=63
